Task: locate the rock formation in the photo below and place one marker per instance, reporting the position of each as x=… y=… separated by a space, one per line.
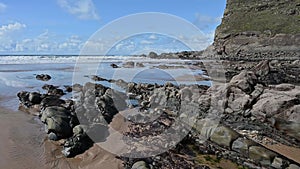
x=259 y=29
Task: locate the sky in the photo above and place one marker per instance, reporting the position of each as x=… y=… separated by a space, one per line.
x=66 y=26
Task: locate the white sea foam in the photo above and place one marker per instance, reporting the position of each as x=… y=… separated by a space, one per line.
x=73 y=59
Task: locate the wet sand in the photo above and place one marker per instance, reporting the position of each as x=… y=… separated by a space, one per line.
x=23 y=145
x=21 y=141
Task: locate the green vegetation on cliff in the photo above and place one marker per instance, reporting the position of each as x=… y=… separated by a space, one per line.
x=266 y=16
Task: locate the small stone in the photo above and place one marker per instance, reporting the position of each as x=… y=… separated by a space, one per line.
x=52 y=136
x=114 y=65
x=277 y=163
x=140 y=165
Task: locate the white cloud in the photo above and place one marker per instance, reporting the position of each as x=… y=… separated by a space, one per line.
x=146 y=42
x=207 y=23
x=2 y=7
x=11 y=28
x=74 y=43
x=83 y=9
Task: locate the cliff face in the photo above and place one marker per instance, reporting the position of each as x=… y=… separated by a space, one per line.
x=259 y=28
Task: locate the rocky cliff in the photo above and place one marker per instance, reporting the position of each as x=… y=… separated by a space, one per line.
x=259 y=29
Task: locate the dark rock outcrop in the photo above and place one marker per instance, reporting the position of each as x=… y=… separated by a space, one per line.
x=43 y=77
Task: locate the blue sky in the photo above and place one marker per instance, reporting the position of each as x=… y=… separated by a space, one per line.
x=64 y=26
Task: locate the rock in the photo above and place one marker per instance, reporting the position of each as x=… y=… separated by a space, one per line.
x=241 y=145
x=52 y=136
x=288 y=127
x=114 y=65
x=284 y=87
x=51 y=101
x=24 y=98
x=277 y=163
x=98 y=132
x=79 y=130
x=261 y=155
x=128 y=64
x=258 y=90
x=262 y=69
x=43 y=77
x=274 y=103
x=296 y=63
x=68 y=89
x=238 y=100
x=35 y=98
x=97 y=78
x=152 y=55
x=246 y=81
x=140 y=165
x=139 y=64
x=224 y=136
x=76 y=144
x=57 y=120
x=293 y=166
x=58 y=92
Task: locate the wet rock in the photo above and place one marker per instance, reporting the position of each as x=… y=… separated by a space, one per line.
x=76 y=144
x=52 y=136
x=57 y=120
x=224 y=136
x=97 y=78
x=43 y=77
x=53 y=90
x=139 y=64
x=51 y=101
x=77 y=87
x=68 y=88
x=35 y=98
x=24 y=98
x=128 y=65
x=261 y=155
x=140 y=165
x=114 y=66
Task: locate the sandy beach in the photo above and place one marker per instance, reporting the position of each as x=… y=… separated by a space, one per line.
x=23 y=145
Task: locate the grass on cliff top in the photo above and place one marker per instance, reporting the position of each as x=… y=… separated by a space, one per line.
x=249 y=16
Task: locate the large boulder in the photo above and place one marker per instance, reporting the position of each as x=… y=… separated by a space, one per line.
x=224 y=136
x=261 y=155
x=57 y=120
x=245 y=81
x=241 y=145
